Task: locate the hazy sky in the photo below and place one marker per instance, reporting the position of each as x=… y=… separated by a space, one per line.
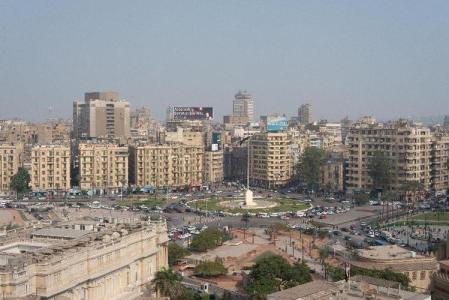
x=380 y=58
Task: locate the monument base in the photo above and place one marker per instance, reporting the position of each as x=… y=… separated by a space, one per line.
x=249 y=198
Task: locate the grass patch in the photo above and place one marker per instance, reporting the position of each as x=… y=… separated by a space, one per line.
x=437 y=216
x=416 y=223
x=149 y=202
x=284 y=205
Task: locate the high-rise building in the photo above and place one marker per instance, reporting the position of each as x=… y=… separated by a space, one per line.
x=9 y=164
x=143 y=126
x=243 y=107
x=446 y=122
x=50 y=168
x=101 y=115
x=168 y=165
x=103 y=167
x=408 y=146
x=440 y=162
x=213 y=166
x=305 y=114
x=270 y=159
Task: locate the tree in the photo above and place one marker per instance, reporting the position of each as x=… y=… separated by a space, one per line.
x=324 y=253
x=361 y=198
x=259 y=289
x=208 y=239
x=273 y=272
x=380 y=170
x=176 y=252
x=210 y=269
x=298 y=274
x=335 y=273
x=309 y=167
x=20 y=181
x=245 y=218
x=227 y=295
x=168 y=284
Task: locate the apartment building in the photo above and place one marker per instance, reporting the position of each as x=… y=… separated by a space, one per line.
x=168 y=165
x=101 y=115
x=305 y=114
x=51 y=133
x=332 y=174
x=9 y=164
x=213 y=166
x=408 y=146
x=235 y=163
x=243 y=106
x=185 y=136
x=103 y=167
x=440 y=162
x=50 y=168
x=114 y=262
x=270 y=159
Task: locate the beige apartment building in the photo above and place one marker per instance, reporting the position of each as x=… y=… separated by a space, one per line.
x=168 y=165
x=440 y=162
x=213 y=166
x=110 y=262
x=9 y=164
x=185 y=136
x=101 y=115
x=270 y=159
x=103 y=167
x=332 y=174
x=51 y=133
x=50 y=168
x=408 y=146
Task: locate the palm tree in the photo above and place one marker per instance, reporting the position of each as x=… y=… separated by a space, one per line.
x=168 y=284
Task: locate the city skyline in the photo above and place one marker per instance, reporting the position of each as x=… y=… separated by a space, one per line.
x=347 y=59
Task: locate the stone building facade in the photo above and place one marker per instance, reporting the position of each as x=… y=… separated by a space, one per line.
x=270 y=159
x=103 y=166
x=50 y=168
x=115 y=263
x=169 y=165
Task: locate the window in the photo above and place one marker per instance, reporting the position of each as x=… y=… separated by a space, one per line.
x=414 y=275
x=422 y=276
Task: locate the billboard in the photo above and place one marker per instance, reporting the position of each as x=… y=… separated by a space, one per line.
x=275 y=124
x=192 y=113
x=216 y=138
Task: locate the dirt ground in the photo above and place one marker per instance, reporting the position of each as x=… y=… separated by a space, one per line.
x=10 y=216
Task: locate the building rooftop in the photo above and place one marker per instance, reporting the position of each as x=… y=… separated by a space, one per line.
x=317 y=289
x=361 y=287
x=444 y=263
x=387 y=252
x=25 y=247
x=58 y=233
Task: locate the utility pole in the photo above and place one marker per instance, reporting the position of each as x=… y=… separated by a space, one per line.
x=302 y=250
